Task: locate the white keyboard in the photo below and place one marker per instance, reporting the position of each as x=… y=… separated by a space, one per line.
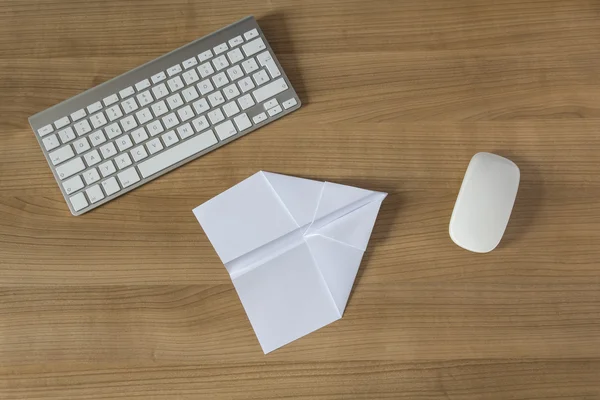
x=125 y=132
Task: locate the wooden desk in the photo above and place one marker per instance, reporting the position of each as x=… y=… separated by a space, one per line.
x=131 y=301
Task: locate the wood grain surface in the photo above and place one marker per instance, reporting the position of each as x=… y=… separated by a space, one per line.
x=131 y=301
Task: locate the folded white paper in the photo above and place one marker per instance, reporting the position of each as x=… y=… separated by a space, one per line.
x=292 y=247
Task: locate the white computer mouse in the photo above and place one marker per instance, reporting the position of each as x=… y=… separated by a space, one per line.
x=484 y=202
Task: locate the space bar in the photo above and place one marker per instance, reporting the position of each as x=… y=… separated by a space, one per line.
x=178 y=153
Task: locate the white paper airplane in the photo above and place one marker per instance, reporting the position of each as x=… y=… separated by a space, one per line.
x=292 y=247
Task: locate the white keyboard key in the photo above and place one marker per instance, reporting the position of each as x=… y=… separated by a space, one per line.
x=220 y=79
x=259 y=118
x=242 y=122
x=128 y=91
x=185 y=113
x=128 y=177
x=97 y=138
x=123 y=161
x=144 y=115
x=207 y=55
x=270 y=90
x=174 y=101
x=220 y=62
x=108 y=150
x=261 y=77
x=190 y=94
x=170 y=138
x=159 y=108
x=185 y=131
x=155 y=127
x=78 y=201
x=235 y=56
x=231 y=91
x=154 y=146
x=246 y=84
x=205 y=87
x=66 y=135
x=246 y=101
x=235 y=72
x=82 y=127
x=253 y=47
x=235 y=41
x=205 y=70
x=81 y=145
x=175 y=84
x=139 y=153
x=110 y=186
x=231 y=108
x=200 y=124
x=61 y=155
x=158 y=77
x=250 y=65
x=274 y=111
x=216 y=98
x=113 y=130
x=141 y=85
x=129 y=105
x=216 y=116
x=170 y=120
x=128 y=123
x=266 y=60
x=190 y=62
x=177 y=153
x=174 y=70
x=90 y=176
x=220 y=48
x=107 y=168
x=144 y=98
x=114 y=112
x=270 y=104
x=59 y=123
x=124 y=142
x=72 y=185
x=98 y=120
x=160 y=91
x=225 y=130
x=190 y=76
x=94 y=193
x=113 y=98
x=251 y=34
x=92 y=158
x=69 y=168
x=77 y=115
x=92 y=108
x=289 y=103
x=139 y=135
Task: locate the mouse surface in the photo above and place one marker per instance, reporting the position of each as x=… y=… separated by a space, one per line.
x=484 y=202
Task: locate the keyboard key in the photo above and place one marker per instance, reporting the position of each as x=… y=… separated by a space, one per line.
x=220 y=48
x=82 y=127
x=251 y=34
x=235 y=56
x=64 y=121
x=220 y=62
x=128 y=91
x=61 y=155
x=170 y=138
x=200 y=124
x=69 y=168
x=97 y=138
x=266 y=60
x=72 y=185
x=78 y=201
x=174 y=70
x=144 y=115
x=205 y=87
x=114 y=112
x=275 y=110
x=77 y=115
x=159 y=108
x=139 y=135
x=250 y=65
x=154 y=127
x=242 y=122
x=81 y=145
x=177 y=153
x=190 y=94
x=92 y=158
x=190 y=62
x=261 y=77
x=270 y=90
x=129 y=105
x=231 y=91
x=92 y=108
x=141 y=85
x=175 y=84
x=231 y=108
x=270 y=104
x=123 y=161
x=170 y=120
x=289 y=103
x=216 y=98
x=205 y=70
x=235 y=72
x=185 y=131
x=154 y=146
x=190 y=76
x=246 y=84
x=174 y=101
x=124 y=142
x=253 y=47
x=66 y=135
x=216 y=116
x=160 y=91
x=110 y=186
x=259 y=118
x=235 y=41
x=94 y=193
x=139 y=153
x=98 y=120
x=113 y=98
x=246 y=101
x=107 y=168
x=108 y=150
x=112 y=130
x=90 y=176
x=225 y=130
x=128 y=123
x=158 y=77
x=185 y=113
x=205 y=56
x=128 y=177
x=144 y=98
x=220 y=79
